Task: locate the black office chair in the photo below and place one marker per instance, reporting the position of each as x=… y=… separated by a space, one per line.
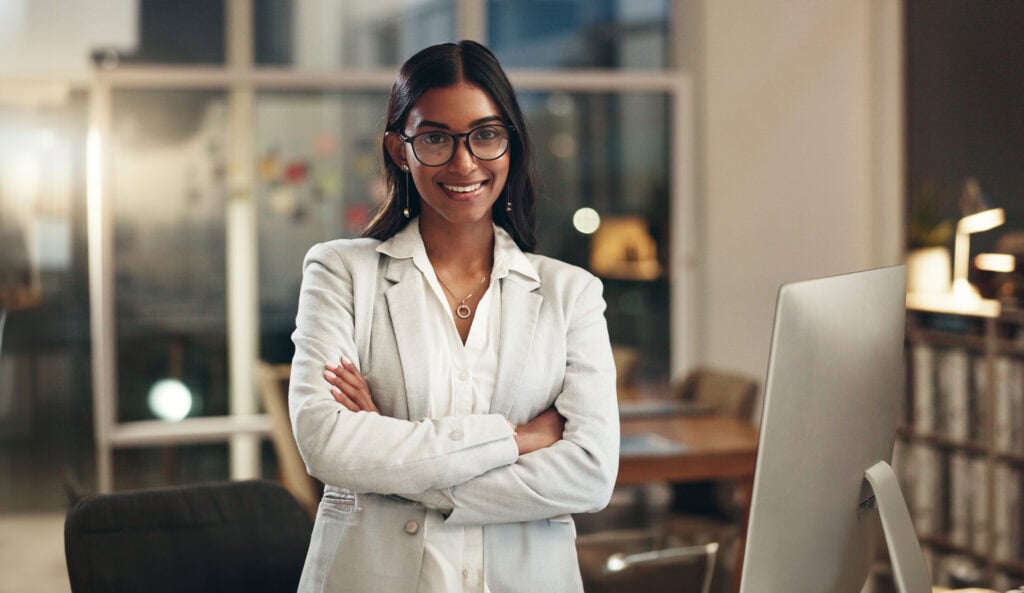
x=247 y=536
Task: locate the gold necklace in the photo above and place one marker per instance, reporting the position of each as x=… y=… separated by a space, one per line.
x=463 y=310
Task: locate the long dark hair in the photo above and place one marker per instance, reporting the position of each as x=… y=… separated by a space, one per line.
x=442 y=66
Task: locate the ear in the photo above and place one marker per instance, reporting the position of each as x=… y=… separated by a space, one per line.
x=396 y=150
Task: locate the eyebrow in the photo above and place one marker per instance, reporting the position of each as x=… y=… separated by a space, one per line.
x=476 y=122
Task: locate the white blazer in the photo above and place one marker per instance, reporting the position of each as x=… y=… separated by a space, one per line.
x=383 y=471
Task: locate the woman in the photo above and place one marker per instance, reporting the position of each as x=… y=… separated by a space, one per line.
x=470 y=397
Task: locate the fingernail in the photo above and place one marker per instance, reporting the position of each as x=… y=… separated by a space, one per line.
x=335 y=392
x=345 y=360
x=330 y=375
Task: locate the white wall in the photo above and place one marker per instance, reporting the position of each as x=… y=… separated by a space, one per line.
x=799 y=148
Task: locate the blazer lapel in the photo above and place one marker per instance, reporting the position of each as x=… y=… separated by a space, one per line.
x=407 y=308
x=520 y=307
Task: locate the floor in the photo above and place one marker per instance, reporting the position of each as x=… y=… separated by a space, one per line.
x=32 y=553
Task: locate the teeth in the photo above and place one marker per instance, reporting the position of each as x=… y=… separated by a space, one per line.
x=463 y=189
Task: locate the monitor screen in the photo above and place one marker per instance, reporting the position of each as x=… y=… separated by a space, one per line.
x=832 y=394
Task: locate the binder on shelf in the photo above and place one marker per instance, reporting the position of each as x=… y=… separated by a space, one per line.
x=953 y=393
x=980 y=411
x=923 y=360
x=979 y=505
x=926 y=473
x=1002 y=437
x=959 y=499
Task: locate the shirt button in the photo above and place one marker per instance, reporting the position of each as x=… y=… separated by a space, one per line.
x=411 y=527
x=464 y=376
x=465 y=573
x=456 y=435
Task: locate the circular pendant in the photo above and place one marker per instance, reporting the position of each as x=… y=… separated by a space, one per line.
x=463 y=311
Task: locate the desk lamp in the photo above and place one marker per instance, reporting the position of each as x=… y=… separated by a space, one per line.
x=967 y=226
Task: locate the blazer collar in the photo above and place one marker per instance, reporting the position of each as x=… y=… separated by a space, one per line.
x=509 y=260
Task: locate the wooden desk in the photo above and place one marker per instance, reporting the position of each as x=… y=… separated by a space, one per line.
x=714 y=448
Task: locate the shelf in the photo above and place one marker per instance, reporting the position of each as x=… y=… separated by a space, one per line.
x=987 y=341
x=939 y=440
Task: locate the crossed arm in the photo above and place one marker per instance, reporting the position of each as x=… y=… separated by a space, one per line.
x=350 y=390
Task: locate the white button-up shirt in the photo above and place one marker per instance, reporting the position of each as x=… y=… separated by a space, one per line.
x=461 y=381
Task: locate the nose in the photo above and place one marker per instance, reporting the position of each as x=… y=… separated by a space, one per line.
x=463 y=161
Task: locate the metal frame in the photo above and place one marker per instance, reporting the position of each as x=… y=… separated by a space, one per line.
x=244 y=426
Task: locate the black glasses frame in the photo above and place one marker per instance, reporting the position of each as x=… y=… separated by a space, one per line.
x=455 y=143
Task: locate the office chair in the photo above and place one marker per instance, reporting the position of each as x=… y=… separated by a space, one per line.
x=634 y=560
x=247 y=537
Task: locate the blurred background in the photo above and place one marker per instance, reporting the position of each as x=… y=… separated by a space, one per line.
x=164 y=166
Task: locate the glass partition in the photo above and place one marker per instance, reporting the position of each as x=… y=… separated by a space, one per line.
x=318 y=178
x=169 y=186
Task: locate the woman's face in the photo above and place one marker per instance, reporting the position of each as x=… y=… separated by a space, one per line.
x=463 y=190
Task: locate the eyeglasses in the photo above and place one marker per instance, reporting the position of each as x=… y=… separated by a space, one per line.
x=486 y=143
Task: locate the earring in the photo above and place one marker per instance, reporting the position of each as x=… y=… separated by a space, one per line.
x=405 y=211
x=508 y=201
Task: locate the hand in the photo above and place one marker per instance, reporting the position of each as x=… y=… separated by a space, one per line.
x=543 y=431
x=349 y=388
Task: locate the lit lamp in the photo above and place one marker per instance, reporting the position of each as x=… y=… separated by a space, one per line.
x=967 y=226
x=623 y=249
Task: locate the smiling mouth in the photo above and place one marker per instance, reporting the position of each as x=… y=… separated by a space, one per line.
x=462 y=189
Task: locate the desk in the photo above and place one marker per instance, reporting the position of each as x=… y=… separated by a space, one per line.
x=714 y=448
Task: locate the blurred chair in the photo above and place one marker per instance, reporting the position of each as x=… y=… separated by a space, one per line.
x=273 y=387
x=224 y=537
x=727 y=393
x=636 y=560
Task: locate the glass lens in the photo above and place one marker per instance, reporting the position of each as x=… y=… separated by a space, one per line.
x=433 y=148
x=489 y=142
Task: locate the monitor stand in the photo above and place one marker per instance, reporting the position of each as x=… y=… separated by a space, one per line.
x=908 y=566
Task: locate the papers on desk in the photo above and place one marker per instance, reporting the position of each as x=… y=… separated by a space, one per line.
x=648 y=443
x=640 y=408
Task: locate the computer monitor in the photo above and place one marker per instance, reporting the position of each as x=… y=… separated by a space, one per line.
x=828 y=425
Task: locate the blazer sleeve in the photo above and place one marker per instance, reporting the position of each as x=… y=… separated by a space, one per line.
x=576 y=474
x=363 y=451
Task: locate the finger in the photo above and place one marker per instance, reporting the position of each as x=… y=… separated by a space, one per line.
x=350 y=374
x=356 y=389
x=342 y=399
x=359 y=396
x=333 y=378
x=347 y=365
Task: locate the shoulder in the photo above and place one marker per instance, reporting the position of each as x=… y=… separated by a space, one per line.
x=559 y=278
x=346 y=252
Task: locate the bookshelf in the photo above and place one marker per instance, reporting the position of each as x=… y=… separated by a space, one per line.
x=960 y=445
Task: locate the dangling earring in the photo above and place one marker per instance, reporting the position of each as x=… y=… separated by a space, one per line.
x=508 y=201
x=405 y=210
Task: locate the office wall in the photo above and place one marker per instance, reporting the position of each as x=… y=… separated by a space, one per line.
x=799 y=168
